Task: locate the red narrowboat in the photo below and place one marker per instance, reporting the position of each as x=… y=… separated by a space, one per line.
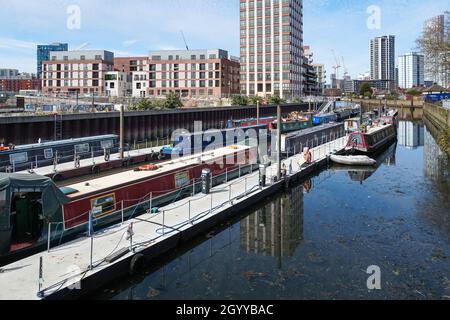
x=371 y=141
x=104 y=196
x=30 y=203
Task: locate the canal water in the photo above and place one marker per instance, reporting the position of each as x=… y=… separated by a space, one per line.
x=317 y=240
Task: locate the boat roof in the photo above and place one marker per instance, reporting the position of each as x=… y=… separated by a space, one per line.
x=312 y=129
x=130 y=176
x=49 y=144
x=376 y=128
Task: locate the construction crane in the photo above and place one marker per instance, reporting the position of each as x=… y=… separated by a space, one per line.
x=184 y=39
x=337 y=66
x=84 y=45
x=345 y=68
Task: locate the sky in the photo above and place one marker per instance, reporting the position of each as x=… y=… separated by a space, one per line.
x=134 y=27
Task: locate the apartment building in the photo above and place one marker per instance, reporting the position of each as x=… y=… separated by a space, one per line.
x=411 y=70
x=382 y=58
x=116 y=84
x=271 y=47
x=81 y=71
x=193 y=73
x=43 y=54
x=13 y=81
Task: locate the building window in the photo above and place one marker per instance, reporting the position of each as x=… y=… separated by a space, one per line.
x=83 y=58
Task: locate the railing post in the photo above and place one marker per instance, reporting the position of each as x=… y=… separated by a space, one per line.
x=190 y=212
x=229 y=194
x=246 y=185
x=122 y=211
x=226 y=175
x=239 y=171
x=164 y=222
x=193 y=188
x=49 y=236
x=41 y=277
x=150 y=203
x=211 y=204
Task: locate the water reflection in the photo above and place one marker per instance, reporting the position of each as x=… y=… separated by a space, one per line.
x=276 y=229
x=316 y=241
x=410 y=134
x=361 y=173
x=436 y=161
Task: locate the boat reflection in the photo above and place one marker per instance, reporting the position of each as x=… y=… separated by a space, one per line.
x=276 y=229
x=362 y=173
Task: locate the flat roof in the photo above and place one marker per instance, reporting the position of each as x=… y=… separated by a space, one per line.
x=130 y=176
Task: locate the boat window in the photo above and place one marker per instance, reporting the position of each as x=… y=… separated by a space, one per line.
x=82 y=148
x=18 y=158
x=103 y=205
x=4 y=209
x=107 y=144
x=357 y=139
x=48 y=153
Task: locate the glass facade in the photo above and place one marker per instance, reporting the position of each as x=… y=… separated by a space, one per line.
x=43 y=54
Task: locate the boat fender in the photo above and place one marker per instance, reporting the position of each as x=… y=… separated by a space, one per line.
x=126 y=163
x=77 y=162
x=95 y=169
x=136 y=263
x=107 y=157
x=155 y=156
x=57 y=177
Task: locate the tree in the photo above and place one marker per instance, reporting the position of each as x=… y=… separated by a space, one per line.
x=434 y=43
x=173 y=101
x=414 y=92
x=256 y=99
x=143 y=104
x=239 y=101
x=366 y=90
x=276 y=100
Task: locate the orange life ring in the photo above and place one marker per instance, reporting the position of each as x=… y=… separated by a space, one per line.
x=4 y=148
x=148 y=167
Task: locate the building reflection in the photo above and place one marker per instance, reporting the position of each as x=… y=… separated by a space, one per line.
x=276 y=229
x=436 y=163
x=410 y=134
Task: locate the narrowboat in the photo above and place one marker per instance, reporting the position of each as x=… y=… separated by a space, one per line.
x=24 y=157
x=293 y=125
x=324 y=118
x=250 y=122
x=29 y=203
x=372 y=140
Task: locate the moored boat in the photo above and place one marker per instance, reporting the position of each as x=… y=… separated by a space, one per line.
x=372 y=140
x=353 y=160
x=30 y=205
